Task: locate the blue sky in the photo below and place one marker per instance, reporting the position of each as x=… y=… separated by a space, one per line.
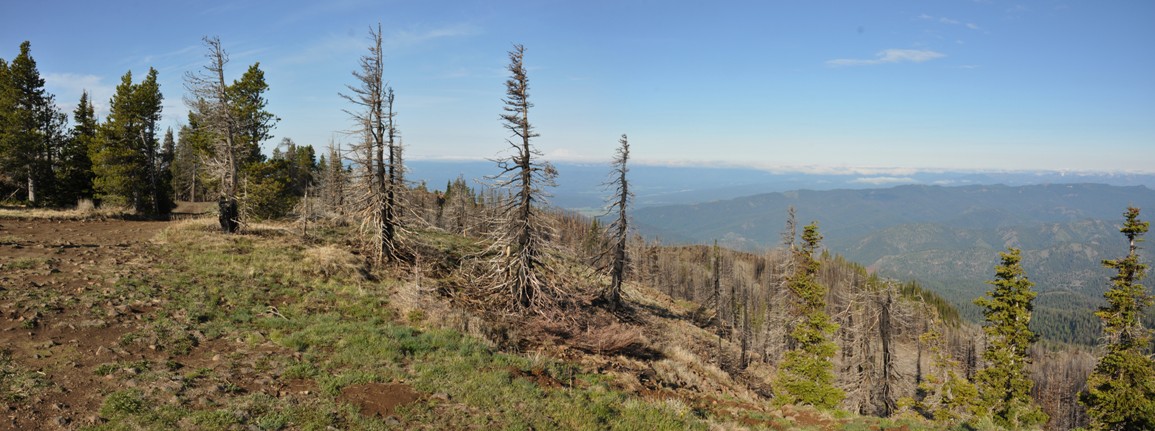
x=887 y=86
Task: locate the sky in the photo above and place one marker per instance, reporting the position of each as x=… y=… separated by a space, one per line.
x=822 y=86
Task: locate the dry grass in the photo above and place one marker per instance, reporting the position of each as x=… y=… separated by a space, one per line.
x=82 y=212
x=329 y=261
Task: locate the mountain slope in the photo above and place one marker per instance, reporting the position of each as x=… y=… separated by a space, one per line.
x=946 y=237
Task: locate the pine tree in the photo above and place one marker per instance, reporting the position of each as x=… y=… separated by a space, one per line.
x=1004 y=384
x=31 y=130
x=75 y=176
x=127 y=155
x=944 y=395
x=254 y=122
x=806 y=375
x=1120 y=391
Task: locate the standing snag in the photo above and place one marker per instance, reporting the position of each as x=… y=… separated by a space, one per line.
x=521 y=232
x=620 y=227
x=378 y=154
x=208 y=101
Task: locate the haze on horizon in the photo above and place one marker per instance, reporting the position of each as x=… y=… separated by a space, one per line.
x=965 y=85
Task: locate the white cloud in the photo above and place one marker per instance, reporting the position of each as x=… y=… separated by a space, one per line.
x=883 y=180
x=973 y=26
x=67 y=87
x=890 y=56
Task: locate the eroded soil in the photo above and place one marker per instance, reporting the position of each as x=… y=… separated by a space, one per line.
x=60 y=317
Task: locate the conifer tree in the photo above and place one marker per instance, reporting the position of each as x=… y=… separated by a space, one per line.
x=1004 y=384
x=31 y=130
x=75 y=176
x=254 y=122
x=944 y=395
x=1120 y=391
x=126 y=157
x=806 y=375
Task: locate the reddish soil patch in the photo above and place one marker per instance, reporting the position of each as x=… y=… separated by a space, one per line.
x=538 y=376
x=379 y=399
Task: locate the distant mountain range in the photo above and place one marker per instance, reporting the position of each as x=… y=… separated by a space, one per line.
x=579 y=184
x=948 y=238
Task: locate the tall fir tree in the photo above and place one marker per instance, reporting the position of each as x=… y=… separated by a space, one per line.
x=1004 y=384
x=75 y=175
x=806 y=373
x=1120 y=392
x=31 y=129
x=254 y=122
x=126 y=160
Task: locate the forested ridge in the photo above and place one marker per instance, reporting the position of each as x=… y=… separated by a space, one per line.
x=794 y=325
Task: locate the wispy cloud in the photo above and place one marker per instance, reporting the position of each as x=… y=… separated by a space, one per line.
x=344 y=44
x=408 y=38
x=883 y=180
x=948 y=21
x=890 y=56
x=67 y=87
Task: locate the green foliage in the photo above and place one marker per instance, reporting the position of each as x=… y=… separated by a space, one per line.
x=254 y=122
x=32 y=132
x=75 y=175
x=275 y=186
x=945 y=396
x=1120 y=391
x=806 y=375
x=1004 y=383
x=126 y=157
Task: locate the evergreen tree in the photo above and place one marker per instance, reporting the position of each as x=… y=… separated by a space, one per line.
x=1004 y=384
x=75 y=176
x=805 y=375
x=164 y=168
x=254 y=122
x=944 y=395
x=126 y=160
x=1120 y=391
x=31 y=130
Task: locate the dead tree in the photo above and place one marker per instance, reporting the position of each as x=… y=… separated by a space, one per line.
x=521 y=235
x=374 y=116
x=620 y=227
x=209 y=102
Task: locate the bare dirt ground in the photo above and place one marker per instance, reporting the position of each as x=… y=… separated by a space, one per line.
x=60 y=318
x=65 y=318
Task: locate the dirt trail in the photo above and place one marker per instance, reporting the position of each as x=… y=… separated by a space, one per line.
x=61 y=319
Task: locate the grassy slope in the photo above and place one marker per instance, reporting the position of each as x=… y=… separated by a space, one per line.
x=265 y=331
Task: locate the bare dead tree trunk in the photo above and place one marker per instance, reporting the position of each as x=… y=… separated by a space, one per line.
x=374 y=115
x=209 y=99
x=619 y=227
x=522 y=234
